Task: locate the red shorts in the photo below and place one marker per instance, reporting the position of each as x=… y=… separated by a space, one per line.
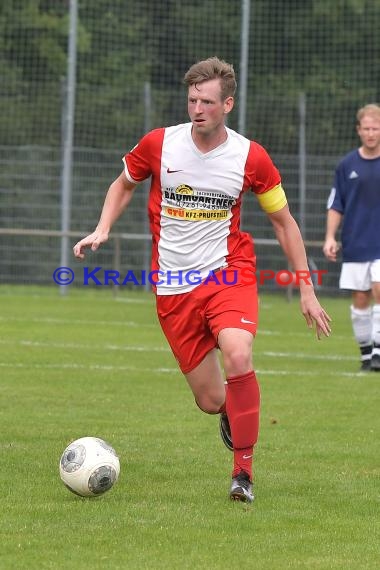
x=192 y=321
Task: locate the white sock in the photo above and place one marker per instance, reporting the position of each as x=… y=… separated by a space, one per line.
x=362 y=325
x=376 y=328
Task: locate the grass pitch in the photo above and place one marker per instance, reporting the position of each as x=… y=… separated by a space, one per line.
x=91 y=364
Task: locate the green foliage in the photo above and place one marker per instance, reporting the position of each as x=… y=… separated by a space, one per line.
x=327 y=50
x=42 y=35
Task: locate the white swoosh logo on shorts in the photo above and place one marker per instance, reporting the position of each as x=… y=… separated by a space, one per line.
x=247 y=456
x=246 y=322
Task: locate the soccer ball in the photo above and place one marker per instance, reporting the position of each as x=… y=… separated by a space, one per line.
x=89 y=467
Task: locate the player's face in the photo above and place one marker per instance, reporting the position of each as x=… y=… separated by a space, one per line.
x=369 y=133
x=206 y=108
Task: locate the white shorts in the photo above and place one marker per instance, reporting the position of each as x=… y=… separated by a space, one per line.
x=359 y=276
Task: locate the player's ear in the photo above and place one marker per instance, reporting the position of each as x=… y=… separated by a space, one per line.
x=228 y=104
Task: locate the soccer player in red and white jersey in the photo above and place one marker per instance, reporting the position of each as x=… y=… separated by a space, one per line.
x=205 y=266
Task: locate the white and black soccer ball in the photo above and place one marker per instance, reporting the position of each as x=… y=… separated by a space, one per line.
x=89 y=467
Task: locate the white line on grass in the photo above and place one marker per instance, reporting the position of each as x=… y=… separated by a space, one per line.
x=126 y=347
x=59 y=321
x=74 y=366
x=132 y=300
x=335 y=357
x=52 y=321
x=160 y=370
x=145 y=348
x=83 y=299
x=267 y=332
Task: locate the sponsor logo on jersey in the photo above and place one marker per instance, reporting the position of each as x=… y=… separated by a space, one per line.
x=186 y=203
x=195 y=215
x=184 y=189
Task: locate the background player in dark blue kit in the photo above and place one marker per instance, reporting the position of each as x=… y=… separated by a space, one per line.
x=355 y=201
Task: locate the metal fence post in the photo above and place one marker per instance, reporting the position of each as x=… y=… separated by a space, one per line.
x=244 y=56
x=302 y=163
x=68 y=134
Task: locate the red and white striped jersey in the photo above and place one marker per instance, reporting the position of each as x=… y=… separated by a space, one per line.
x=195 y=200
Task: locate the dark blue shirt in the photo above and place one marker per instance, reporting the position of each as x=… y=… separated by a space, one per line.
x=356 y=195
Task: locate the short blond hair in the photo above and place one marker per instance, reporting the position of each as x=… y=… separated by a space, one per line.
x=372 y=110
x=213 y=68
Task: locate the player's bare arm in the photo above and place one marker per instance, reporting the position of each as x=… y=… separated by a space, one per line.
x=331 y=247
x=290 y=239
x=117 y=200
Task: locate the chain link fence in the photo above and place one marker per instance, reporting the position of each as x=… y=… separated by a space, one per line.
x=304 y=67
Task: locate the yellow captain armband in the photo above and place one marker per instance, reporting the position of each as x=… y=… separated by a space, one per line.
x=273 y=200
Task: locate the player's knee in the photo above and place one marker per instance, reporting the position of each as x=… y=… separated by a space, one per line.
x=237 y=361
x=209 y=404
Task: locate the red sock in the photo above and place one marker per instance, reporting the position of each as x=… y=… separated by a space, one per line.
x=243 y=407
x=222 y=409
